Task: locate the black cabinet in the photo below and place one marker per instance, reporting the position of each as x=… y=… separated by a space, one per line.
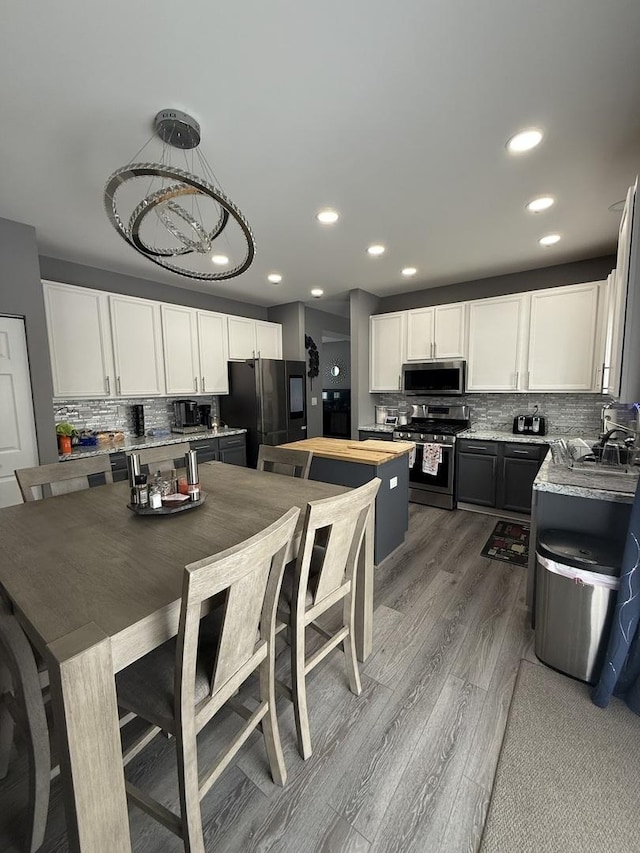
x=496 y=474
x=119 y=466
x=206 y=450
x=477 y=472
x=364 y=434
x=233 y=450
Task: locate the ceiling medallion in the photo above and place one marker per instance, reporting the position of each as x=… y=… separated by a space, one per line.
x=174 y=218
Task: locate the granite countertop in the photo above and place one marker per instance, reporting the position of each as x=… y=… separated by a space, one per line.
x=489 y=434
x=588 y=481
x=377 y=428
x=148 y=441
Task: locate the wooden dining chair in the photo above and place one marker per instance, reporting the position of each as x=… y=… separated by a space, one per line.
x=285 y=460
x=180 y=686
x=162 y=458
x=323 y=574
x=59 y=478
x=22 y=707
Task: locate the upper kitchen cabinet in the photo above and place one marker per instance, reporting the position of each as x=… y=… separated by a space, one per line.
x=181 y=357
x=437 y=332
x=254 y=338
x=565 y=339
x=137 y=346
x=617 y=307
x=497 y=331
x=386 y=351
x=195 y=351
x=214 y=352
x=79 y=341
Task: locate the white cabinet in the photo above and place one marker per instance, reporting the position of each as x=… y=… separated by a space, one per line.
x=617 y=308
x=180 y=346
x=565 y=346
x=497 y=331
x=437 y=332
x=214 y=352
x=268 y=339
x=386 y=351
x=254 y=338
x=137 y=346
x=79 y=341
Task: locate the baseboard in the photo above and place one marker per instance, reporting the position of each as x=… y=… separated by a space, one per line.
x=525 y=518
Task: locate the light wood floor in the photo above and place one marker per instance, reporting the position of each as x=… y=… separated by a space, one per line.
x=408 y=765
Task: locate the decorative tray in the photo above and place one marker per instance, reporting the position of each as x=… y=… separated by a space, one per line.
x=168 y=510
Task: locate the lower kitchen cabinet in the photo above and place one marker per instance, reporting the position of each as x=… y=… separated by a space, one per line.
x=477 y=472
x=498 y=474
x=233 y=450
x=365 y=434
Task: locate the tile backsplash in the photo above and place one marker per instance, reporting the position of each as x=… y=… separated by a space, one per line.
x=112 y=415
x=576 y=414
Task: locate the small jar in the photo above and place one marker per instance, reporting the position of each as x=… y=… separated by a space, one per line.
x=155 y=497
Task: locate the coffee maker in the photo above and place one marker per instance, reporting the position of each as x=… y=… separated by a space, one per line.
x=187 y=416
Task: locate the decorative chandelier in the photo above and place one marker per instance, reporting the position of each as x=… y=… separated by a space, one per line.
x=179 y=221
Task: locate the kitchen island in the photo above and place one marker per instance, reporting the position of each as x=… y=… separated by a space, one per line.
x=584 y=499
x=352 y=463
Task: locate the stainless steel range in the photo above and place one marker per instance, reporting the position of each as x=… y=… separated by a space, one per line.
x=434 y=429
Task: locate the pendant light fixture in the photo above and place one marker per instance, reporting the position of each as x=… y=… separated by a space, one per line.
x=174 y=218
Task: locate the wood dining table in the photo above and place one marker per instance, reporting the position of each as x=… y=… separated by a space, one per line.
x=96 y=587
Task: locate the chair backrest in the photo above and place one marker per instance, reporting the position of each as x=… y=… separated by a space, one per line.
x=337 y=525
x=162 y=458
x=285 y=460
x=251 y=575
x=59 y=478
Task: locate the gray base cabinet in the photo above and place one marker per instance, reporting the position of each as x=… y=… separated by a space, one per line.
x=498 y=474
x=364 y=434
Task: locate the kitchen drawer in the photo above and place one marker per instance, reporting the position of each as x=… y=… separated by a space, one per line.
x=206 y=451
x=525 y=451
x=483 y=448
x=226 y=442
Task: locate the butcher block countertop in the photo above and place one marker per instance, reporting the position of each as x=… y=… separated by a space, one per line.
x=370 y=452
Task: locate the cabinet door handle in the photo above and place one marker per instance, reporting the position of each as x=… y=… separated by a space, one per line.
x=195 y=382
x=108 y=386
x=203 y=389
x=517 y=377
x=118 y=389
x=399 y=382
x=521 y=452
x=434 y=349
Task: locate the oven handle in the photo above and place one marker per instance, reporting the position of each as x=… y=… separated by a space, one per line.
x=422 y=443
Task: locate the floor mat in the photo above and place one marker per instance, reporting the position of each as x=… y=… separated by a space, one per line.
x=508 y=543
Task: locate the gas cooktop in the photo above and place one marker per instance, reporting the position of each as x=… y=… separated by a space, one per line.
x=435 y=423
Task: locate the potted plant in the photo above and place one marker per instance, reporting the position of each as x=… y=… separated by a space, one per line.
x=64 y=432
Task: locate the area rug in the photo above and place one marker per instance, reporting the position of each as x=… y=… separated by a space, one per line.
x=567 y=779
x=509 y=543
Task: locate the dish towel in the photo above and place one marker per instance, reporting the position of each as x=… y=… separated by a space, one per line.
x=431 y=458
x=412 y=455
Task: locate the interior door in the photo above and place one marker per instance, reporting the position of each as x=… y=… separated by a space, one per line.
x=18 y=447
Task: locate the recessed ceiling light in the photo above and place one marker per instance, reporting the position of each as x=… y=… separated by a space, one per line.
x=274 y=277
x=220 y=260
x=317 y=292
x=376 y=250
x=539 y=204
x=409 y=271
x=524 y=141
x=549 y=239
x=327 y=217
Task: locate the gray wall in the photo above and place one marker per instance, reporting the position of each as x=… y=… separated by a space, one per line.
x=594 y=269
x=361 y=306
x=291 y=318
x=113 y=282
x=21 y=295
x=317 y=322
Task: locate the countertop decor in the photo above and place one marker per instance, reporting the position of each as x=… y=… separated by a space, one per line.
x=149 y=441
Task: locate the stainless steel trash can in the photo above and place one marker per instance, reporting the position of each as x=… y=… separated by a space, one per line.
x=576 y=588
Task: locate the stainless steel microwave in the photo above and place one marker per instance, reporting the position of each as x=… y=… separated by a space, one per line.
x=434 y=378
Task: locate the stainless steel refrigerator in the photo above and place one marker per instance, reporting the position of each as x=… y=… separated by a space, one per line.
x=267 y=397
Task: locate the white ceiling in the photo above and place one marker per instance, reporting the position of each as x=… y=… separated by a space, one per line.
x=396 y=114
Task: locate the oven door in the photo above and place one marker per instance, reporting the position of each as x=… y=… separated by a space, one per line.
x=442 y=480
